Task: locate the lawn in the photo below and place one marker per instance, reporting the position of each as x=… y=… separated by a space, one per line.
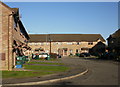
x=35 y=62
x=22 y=74
x=46 y=68
x=36 y=70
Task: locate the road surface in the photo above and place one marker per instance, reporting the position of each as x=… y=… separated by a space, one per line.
x=101 y=72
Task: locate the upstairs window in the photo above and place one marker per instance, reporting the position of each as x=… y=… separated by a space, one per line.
x=78 y=43
x=90 y=43
x=30 y=43
x=36 y=44
x=59 y=43
x=69 y=43
x=42 y=43
x=47 y=43
x=55 y=43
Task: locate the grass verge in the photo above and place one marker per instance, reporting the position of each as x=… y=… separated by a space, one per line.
x=22 y=74
x=34 y=62
x=35 y=70
x=46 y=68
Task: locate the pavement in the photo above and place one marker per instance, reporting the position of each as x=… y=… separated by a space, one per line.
x=75 y=71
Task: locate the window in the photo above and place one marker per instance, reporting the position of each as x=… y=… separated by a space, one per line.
x=47 y=43
x=39 y=43
x=36 y=44
x=59 y=43
x=78 y=43
x=47 y=51
x=55 y=43
x=90 y=43
x=42 y=43
x=84 y=48
x=71 y=50
x=76 y=50
x=30 y=43
x=69 y=43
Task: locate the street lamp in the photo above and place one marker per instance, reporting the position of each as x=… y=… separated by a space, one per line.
x=50 y=43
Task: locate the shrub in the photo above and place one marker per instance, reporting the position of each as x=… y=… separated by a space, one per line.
x=77 y=54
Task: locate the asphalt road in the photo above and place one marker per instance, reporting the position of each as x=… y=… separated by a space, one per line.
x=101 y=72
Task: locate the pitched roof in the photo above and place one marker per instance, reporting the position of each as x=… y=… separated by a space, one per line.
x=116 y=34
x=23 y=31
x=12 y=9
x=65 y=37
x=16 y=19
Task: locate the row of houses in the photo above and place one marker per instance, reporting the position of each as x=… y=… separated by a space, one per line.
x=64 y=44
x=15 y=41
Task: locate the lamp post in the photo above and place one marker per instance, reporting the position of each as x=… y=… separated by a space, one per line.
x=50 y=44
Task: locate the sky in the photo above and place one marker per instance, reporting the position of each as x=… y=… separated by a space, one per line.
x=68 y=17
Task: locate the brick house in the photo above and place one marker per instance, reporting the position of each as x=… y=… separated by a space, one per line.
x=64 y=44
x=12 y=36
x=114 y=43
x=99 y=49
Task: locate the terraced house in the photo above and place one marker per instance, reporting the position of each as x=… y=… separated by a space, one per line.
x=64 y=44
x=114 y=44
x=13 y=36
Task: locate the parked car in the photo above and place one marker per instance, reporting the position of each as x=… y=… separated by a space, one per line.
x=59 y=56
x=84 y=55
x=35 y=56
x=43 y=55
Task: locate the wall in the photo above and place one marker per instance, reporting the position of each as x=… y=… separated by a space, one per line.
x=7 y=35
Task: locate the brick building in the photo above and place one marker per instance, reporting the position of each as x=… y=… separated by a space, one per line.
x=114 y=43
x=99 y=49
x=64 y=44
x=13 y=36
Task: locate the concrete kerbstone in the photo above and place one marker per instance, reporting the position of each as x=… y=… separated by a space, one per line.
x=48 y=81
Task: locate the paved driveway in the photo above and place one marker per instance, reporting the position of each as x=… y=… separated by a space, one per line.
x=101 y=72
